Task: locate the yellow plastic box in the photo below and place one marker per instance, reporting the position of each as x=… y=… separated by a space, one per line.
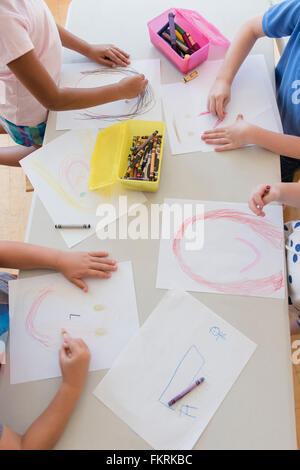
x=110 y=157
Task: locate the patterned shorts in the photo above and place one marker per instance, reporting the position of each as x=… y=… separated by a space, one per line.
x=292 y=243
x=24 y=135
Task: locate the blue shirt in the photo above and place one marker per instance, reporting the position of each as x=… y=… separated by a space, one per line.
x=282 y=20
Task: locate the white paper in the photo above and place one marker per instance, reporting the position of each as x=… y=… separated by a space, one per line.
x=105 y=318
x=180 y=342
x=59 y=172
x=185 y=104
x=242 y=254
x=90 y=75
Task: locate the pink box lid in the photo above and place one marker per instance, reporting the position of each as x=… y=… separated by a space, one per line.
x=213 y=34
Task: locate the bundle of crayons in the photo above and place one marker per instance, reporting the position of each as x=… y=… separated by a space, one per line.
x=181 y=41
x=143 y=161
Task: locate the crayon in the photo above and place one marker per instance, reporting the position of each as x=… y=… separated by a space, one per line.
x=172 y=30
x=145 y=143
x=195 y=45
x=152 y=162
x=179 y=29
x=190 y=76
x=72 y=226
x=136 y=179
x=181 y=46
x=179 y=36
x=187 y=41
x=186 y=391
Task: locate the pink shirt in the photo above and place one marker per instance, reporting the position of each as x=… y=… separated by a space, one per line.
x=26 y=25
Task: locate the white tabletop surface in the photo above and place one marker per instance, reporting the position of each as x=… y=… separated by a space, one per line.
x=258 y=413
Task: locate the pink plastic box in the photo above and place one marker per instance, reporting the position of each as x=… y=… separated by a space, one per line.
x=202 y=32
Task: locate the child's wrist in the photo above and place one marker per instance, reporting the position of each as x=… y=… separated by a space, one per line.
x=251 y=133
x=276 y=192
x=58 y=257
x=71 y=392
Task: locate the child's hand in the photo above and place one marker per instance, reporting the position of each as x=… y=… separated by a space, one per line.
x=261 y=196
x=133 y=86
x=74 y=359
x=218 y=98
x=229 y=138
x=107 y=54
x=77 y=265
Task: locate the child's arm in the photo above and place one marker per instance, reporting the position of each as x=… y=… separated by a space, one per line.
x=45 y=432
x=33 y=75
x=105 y=54
x=241 y=133
x=73 y=265
x=285 y=193
x=219 y=95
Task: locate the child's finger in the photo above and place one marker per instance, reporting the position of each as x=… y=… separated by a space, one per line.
x=218 y=141
x=224 y=148
x=102 y=267
x=213 y=135
x=98 y=274
x=65 y=335
x=107 y=62
x=122 y=52
x=100 y=254
x=213 y=106
x=254 y=207
x=81 y=284
x=218 y=131
x=109 y=262
x=219 y=107
x=121 y=55
x=115 y=58
x=208 y=104
x=258 y=200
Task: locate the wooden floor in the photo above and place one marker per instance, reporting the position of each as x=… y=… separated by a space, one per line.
x=15 y=202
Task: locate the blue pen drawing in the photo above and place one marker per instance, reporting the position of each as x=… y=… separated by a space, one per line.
x=186 y=372
x=184 y=410
x=215 y=331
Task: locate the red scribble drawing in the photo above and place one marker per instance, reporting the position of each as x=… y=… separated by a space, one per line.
x=218 y=121
x=29 y=324
x=76 y=163
x=265 y=230
x=257 y=255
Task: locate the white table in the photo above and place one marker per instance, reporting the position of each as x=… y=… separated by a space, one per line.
x=258 y=413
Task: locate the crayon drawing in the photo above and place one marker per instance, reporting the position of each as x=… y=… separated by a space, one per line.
x=44 y=305
x=242 y=254
x=43 y=326
x=186 y=372
x=175 y=346
x=131 y=108
x=89 y=75
x=59 y=172
x=185 y=105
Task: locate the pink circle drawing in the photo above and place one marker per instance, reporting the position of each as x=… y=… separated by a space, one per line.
x=263 y=286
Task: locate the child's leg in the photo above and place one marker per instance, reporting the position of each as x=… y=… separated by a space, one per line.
x=292 y=243
x=11 y=156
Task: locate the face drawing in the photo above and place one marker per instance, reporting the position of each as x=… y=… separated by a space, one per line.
x=232 y=258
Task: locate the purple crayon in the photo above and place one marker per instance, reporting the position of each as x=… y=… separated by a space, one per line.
x=186 y=391
x=172 y=30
